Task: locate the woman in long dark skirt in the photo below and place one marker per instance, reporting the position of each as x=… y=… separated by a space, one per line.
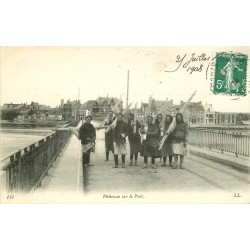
x=167 y=148
x=179 y=140
x=134 y=138
x=87 y=135
x=158 y=122
x=150 y=142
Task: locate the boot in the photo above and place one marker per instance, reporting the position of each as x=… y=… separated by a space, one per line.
x=181 y=161
x=153 y=166
x=131 y=163
x=175 y=165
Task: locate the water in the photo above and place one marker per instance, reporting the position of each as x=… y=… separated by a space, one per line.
x=14 y=139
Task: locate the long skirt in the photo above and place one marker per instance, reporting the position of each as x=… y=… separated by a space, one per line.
x=88 y=148
x=134 y=146
x=109 y=146
x=86 y=151
x=179 y=149
x=120 y=148
x=148 y=150
x=167 y=149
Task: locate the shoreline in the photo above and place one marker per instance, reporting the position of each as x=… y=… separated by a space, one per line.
x=26 y=130
x=29 y=125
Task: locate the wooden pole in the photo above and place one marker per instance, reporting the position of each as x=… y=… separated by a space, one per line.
x=77 y=113
x=127 y=89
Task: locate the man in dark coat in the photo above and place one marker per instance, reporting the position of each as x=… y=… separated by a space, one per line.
x=120 y=132
x=87 y=136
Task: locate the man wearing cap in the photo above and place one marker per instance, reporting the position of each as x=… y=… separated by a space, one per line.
x=120 y=132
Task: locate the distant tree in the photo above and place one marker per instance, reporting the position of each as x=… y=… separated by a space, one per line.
x=242 y=117
x=8 y=115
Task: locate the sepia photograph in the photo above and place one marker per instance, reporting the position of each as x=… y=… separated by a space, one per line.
x=124 y=125
x=127 y=124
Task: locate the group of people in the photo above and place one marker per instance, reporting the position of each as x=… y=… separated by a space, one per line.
x=144 y=139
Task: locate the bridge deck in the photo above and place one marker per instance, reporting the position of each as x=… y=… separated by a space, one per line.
x=64 y=175
x=200 y=174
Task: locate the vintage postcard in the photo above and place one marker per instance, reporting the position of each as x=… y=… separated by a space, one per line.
x=125 y=125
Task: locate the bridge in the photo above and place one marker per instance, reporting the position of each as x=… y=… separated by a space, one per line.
x=216 y=163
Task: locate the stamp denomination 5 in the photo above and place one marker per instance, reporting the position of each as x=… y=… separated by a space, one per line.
x=229 y=74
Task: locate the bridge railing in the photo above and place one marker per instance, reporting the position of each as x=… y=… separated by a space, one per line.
x=229 y=142
x=23 y=170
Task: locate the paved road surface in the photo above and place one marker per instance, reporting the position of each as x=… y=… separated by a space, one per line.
x=200 y=176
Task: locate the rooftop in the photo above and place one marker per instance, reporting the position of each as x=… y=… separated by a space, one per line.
x=108 y=100
x=193 y=105
x=91 y=103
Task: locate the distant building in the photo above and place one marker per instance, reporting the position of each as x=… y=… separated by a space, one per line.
x=10 y=106
x=144 y=107
x=78 y=111
x=194 y=112
x=225 y=118
x=75 y=109
x=91 y=107
x=154 y=107
x=55 y=114
x=106 y=103
x=158 y=106
x=215 y=117
x=142 y=111
x=67 y=111
x=24 y=111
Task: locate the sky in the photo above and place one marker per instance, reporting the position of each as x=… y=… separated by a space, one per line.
x=49 y=74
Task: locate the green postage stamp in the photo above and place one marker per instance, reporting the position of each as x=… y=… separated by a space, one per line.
x=230 y=75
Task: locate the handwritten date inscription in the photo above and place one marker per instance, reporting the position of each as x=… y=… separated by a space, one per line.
x=191 y=64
